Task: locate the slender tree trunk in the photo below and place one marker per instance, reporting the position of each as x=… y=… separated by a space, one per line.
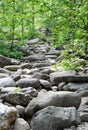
x=13 y=24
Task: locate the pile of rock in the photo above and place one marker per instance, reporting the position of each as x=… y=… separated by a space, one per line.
x=35 y=96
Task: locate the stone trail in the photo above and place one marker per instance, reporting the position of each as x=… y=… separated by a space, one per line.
x=35 y=95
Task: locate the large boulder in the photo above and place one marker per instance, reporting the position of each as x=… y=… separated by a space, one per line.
x=58 y=99
x=55 y=118
x=17 y=98
x=4 y=61
x=67 y=76
x=7 y=82
x=26 y=82
x=8 y=115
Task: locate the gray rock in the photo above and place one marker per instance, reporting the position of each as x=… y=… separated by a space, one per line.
x=21 y=124
x=54 y=118
x=58 y=99
x=84 y=116
x=35 y=57
x=33 y=41
x=32 y=82
x=7 y=82
x=75 y=86
x=12 y=67
x=8 y=115
x=21 y=110
x=2 y=70
x=3 y=75
x=68 y=76
x=30 y=90
x=39 y=75
x=17 y=98
x=10 y=89
x=26 y=65
x=4 y=61
x=58 y=77
x=45 y=84
x=41 y=64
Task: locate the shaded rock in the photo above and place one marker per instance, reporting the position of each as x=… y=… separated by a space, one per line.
x=35 y=57
x=7 y=82
x=58 y=99
x=39 y=75
x=32 y=82
x=33 y=41
x=53 y=118
x=58 y=77
x=47 y=70
x=84 y=116
x=21 y=110
x=45 y=84
x=75 y=86
x=4 y=61
x=30 y=90
x=83 y=92
x=68 y=76
x=12 y=67
x=26 y=65
x=17 y=98
x=21 y=124
x=2 y=70
x=7 y=116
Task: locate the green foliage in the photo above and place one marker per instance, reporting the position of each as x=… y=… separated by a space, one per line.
x=13 y=53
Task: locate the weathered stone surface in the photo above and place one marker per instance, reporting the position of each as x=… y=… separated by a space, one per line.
x=17 y=98
x=84 y=116
x=58 y=77
x=35 y=57
x=21 y=124
x=4 y=61
x=26 y=82
x=45 y=84
x=2 y=70
x=7 y=82
x=33 y=41
x=58 y=99
x=68 y=76
x=75 y=86
x=40 y=76
x=12 y=67
x=53 y=118
x=30 y=90
x=21 y=110
x=26 y=65
x=7 y=116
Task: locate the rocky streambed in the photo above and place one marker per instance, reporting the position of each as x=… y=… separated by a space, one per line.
x=36 y=96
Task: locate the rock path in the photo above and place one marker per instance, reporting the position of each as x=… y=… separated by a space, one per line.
x=34 y=95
